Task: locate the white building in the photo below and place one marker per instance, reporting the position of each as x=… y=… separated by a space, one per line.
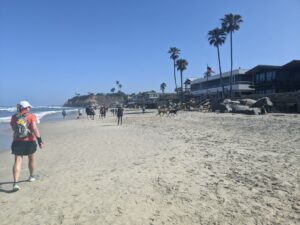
x=211 y=85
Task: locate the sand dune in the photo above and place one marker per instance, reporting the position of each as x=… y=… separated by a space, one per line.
x=193 y=168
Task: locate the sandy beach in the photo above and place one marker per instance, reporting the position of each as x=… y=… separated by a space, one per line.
x=194 y=168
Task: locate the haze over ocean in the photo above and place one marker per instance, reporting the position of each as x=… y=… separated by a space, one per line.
x=51 y=49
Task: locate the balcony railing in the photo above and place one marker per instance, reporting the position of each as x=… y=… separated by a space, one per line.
x=206 y=86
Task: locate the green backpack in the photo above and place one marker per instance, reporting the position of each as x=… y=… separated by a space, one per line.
x=21 y=128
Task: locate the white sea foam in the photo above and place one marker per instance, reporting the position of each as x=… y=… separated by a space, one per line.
x=49 y=107
x=40 y=115
x=5 y=119
x=8 y=109
x=7 y=112
x=71 y=110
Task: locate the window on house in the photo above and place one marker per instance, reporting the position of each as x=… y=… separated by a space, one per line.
x=273 y=75
x=269 y=76
x=260 y=91
x=260 y=77
x=270 y=91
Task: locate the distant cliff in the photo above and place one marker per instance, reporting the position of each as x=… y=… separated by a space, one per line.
x=99 y=99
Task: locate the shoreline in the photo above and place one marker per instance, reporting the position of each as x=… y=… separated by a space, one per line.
x=7 y=133
x=194 y=168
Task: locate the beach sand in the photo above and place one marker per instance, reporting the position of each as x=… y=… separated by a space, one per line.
x=194 y=168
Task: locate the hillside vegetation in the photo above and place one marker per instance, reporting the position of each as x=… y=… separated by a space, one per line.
x=99 y=99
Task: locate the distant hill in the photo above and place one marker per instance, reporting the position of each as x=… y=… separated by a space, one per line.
x=98 y=99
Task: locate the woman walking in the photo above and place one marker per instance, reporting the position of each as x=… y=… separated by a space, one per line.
x=26 y=132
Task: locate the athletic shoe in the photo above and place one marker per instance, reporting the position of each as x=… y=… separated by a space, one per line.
x=16 y=187
x=31 y=179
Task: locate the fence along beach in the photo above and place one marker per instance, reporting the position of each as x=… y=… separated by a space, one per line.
x=193 y=168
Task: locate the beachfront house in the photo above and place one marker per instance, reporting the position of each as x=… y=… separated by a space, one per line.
x=187 y=84
x=211 y=86
x=148 y=98
x=152 y=96
x=276 y=79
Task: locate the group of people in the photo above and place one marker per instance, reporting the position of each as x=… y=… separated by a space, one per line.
x=91 y=112
x=79 y=114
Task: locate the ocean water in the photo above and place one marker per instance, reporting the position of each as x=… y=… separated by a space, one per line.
x=43 y=113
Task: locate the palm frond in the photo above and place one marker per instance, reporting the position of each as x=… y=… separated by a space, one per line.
x=216 y=37
x=231 y=22
x=181 y=64
x=174 y=52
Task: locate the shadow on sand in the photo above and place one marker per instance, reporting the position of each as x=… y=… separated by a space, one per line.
x=8 y=191
x=137 y=112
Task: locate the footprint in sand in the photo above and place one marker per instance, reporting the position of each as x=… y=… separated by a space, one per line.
x=172 y=159
x=119 y=212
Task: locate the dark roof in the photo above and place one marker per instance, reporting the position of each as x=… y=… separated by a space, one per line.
x=292 y=64
x=262 y=68
x=189 y=80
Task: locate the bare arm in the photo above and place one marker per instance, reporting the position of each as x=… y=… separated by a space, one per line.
x=35 y=129
x=36 y=133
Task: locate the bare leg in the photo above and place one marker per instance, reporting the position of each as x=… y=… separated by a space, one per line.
x=31 y=164
x=17 y=167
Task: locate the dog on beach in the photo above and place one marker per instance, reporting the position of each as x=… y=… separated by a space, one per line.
x=173 y=112
x=113 y=111
x=161 y=111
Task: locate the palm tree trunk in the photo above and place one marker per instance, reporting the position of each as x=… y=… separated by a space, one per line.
x=181 y=85
x=231 y=65
x=221 y=77
x=175 y=77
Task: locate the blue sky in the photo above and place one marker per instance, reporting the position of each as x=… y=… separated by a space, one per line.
x=51 y=49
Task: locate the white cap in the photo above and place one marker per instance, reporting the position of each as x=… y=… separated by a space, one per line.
x=25 y=104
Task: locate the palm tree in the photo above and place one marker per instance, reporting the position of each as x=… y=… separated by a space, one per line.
x=112 y=90
x=174 y=54
x=181 y=66
x=120 y=86
x=230 y=23
x=163 y=87
x=217 y=37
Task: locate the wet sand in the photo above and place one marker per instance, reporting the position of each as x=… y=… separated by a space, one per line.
x=194 y=168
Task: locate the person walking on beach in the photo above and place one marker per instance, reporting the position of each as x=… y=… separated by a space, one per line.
x=105 y=110
x=102 y=112
x=120 y=114
x=64 y=113
x=26 y=132
x=79 y=114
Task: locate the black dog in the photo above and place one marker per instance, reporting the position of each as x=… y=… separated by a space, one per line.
x=173 y=112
